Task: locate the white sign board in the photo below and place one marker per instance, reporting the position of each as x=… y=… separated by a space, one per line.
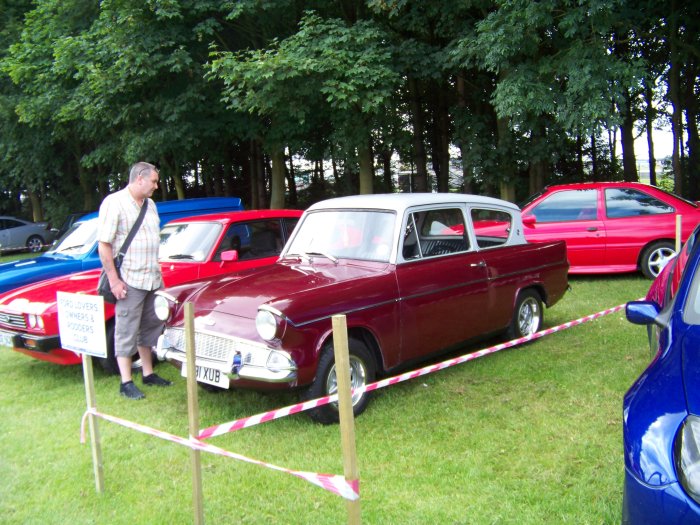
x=81 y=323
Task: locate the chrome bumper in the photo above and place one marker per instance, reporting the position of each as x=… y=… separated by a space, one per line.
x=237 y=358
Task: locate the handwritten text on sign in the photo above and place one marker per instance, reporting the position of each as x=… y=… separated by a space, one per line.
x=81 y=323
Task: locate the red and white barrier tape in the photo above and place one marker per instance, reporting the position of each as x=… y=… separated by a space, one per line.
x=333 y=483
x=238 y=424
x=330 y=482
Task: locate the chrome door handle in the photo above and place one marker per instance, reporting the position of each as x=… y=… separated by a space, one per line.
x=480 y=264
x=592 y=229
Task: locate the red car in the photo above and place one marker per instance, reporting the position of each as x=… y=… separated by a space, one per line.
x=610 y=227
x=190 y=248
x=414 y=274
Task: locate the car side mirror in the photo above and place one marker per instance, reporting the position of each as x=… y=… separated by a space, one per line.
x=229 y=256
x=643 y=312
x=529 y=219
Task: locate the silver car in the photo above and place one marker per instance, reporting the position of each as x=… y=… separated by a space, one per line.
x=18 y=234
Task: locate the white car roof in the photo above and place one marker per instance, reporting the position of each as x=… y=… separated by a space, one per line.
x=399 y=202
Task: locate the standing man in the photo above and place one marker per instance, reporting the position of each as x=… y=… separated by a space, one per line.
x=136 y=327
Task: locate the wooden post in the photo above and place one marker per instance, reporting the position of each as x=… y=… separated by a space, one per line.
x=92 y=423
x=679 y=220
x=347 y=421
x=193 y=415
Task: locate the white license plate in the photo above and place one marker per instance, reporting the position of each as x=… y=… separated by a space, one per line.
x=210 y=376
x=5 y=339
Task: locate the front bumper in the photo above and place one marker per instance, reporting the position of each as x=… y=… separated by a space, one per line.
x=647 y=504
x=43 y=348
x=31 y=342
x=237 y=358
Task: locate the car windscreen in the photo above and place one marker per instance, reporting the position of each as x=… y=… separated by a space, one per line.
x=345 y=234
x=190 y=241
x=78 y=240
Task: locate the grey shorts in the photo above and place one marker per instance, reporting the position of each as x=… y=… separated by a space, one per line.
x=135 y=322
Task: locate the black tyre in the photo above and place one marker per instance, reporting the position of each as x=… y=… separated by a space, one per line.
x=363 y=370
x=35 y=244
x=655 y=257
x=109 y=363
x=527 y=316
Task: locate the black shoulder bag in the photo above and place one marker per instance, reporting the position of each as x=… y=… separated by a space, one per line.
x=103 y=287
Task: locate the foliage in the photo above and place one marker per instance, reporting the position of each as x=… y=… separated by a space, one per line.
x=215 y=92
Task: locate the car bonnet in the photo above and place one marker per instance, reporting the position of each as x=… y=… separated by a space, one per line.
x=280 y=285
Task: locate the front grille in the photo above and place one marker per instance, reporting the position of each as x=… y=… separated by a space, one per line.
x=13 y=320
x=217 y=348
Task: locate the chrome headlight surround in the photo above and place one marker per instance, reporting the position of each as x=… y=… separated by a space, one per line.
x=270 y=323
x=163 y=305
x=687 y=456
x=35 y=321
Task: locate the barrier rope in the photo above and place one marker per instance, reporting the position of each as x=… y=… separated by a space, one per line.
x=330 y=482
x=334 y=483
x=238 y=424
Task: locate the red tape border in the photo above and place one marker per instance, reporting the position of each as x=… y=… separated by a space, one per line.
x=333 y=483
x=238 y=424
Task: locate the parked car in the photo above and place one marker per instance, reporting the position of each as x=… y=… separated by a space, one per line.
x=77 y=249
x=415 y=274
x=611 y=227
x=190 y=248
x=661 y=411
x=18 y=234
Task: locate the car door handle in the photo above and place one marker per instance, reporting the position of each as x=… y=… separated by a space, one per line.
x=592 y=229
x=480 y=264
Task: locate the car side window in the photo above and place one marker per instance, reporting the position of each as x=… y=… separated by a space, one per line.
x=257 y=239
x=435 y=232
x=626 y=202
x=569 y=205
x=491 y=227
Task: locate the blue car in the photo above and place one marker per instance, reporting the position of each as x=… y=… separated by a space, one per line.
x=76 y=250
x=661 y=411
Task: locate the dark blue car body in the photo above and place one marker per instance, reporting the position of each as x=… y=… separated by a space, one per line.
x=77 y=249
x=661 y=411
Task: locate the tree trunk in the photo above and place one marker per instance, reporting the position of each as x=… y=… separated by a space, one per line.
x=364 y=153
x=277 y=186
x=649 y=124
x=291 y=183
x=35 y=200
x=420 y=179
x=629 y=161
x=675 y=99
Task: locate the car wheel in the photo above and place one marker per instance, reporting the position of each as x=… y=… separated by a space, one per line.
x=362 y=372
x=35 y=244
x=655 y=257
x=109 y=363
x=528 y=316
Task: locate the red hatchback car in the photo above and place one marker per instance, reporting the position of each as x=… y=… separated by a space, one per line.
x=190 y=248
x=610 y=227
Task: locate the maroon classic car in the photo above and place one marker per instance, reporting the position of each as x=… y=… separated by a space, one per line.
x=415 y=274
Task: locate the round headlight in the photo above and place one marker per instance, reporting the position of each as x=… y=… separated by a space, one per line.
x=266 y=324
x=31 y=318
x=162 y=307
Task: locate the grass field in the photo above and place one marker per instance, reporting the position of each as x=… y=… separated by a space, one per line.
x=529 y=435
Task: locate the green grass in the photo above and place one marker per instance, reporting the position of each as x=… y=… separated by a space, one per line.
x=529 y=435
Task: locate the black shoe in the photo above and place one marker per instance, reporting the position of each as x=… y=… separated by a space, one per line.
x=155 y=379
x=130 y=390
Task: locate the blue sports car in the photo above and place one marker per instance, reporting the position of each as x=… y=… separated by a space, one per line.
x=661 y=411
x=76 y=251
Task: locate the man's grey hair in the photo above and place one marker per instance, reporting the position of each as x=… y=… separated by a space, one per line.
x=141 y=168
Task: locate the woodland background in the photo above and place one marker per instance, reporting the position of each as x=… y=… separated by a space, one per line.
x=285 y=102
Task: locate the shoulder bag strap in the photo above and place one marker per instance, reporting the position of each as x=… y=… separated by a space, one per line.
x=132 y=233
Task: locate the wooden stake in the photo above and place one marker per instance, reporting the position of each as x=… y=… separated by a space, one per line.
x=347 y=421
x=193 y=415
x=92 y=423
